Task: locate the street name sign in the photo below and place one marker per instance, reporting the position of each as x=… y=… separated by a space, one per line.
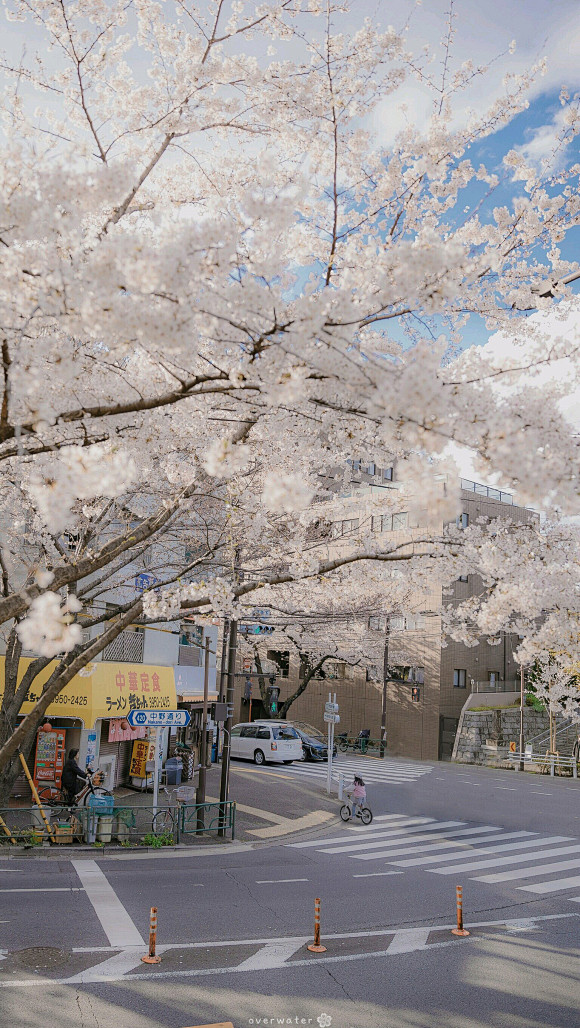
x=331 y=718
x=158 y=718
x=330 y=708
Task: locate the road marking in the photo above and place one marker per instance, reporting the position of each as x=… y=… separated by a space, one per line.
x=275 y=953
x=279 y=881
x=386 y=837
x=365 y=832
x=519 y=858
x=408 y=940
x=117 y=925
x=449 y=849
x=506 y=788
x=60 y=889
x=546 y=869
x=484 y=852
x=378 y=874
x=114 y=968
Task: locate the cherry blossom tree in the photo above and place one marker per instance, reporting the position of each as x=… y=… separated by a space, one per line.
x=218 y=283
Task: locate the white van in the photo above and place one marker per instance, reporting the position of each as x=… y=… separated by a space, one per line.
x=264 y=742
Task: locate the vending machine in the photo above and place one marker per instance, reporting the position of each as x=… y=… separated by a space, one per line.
x=50 y=756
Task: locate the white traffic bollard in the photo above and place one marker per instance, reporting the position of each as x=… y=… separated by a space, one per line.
x=341 y=786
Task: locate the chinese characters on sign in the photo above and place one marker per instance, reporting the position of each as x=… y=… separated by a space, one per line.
x=143 y=751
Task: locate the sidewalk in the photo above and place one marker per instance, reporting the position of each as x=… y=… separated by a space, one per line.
x=271 y=805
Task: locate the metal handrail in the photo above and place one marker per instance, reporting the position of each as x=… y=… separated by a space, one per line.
x=545 y=736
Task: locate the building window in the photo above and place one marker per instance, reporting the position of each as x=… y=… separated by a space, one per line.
x=387 y=474
x=494 y=678
x=463 y=578
x=462 y=520
x=334 y=669
x=459 y=676
x=390 y=522
x=281 y=658
x=415 y=694
x=377 y=622
x=407 y=674
x=411 y=623
x=339 y=528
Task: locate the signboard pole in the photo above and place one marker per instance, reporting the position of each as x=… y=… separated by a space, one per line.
x=159 y=733
x=225 y=777
x=329 y=752
x=200 y=795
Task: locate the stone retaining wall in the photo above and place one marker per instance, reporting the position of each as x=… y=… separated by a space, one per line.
x=499 y=726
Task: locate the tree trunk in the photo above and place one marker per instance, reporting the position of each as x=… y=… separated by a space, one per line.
x=285 y=707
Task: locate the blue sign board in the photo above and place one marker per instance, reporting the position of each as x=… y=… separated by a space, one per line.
x=158 y=718
x=143 y=582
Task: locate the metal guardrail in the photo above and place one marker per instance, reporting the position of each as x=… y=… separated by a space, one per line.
x=127 y=826
x=208 y=817
x=356 y=745
x=548 y=763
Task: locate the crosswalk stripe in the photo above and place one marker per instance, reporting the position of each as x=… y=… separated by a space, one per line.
x=498 y=861
x=380 y=771
x=383 y=837
x=362 y=831
x=503 y=848
x=447 y=838
x=557 y=886
x=546 y=869
x=455 y=847
x=452 y=849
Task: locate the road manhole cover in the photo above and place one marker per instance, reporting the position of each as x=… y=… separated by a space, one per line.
x=41 y=958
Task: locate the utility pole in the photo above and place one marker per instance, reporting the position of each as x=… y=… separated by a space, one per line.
x=385 y=685
x=222 y=685
x=521 y=717
x=200 y=795
x=224 y=784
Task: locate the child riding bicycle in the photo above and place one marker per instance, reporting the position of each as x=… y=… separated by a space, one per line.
x=357 y=794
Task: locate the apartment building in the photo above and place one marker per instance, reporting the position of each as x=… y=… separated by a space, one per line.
x=426 y=684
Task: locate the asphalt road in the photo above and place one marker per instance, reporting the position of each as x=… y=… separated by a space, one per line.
x=234 y=922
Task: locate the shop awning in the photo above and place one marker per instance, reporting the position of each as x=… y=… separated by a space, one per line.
x=104 y=689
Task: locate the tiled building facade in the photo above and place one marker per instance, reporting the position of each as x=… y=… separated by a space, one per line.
x=424 y=703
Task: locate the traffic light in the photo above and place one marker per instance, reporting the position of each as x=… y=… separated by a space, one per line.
x=273 y=694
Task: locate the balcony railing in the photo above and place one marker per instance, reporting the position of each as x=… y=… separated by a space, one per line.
x=511 y=685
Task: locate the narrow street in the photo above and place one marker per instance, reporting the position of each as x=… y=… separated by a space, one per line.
x=234 y=922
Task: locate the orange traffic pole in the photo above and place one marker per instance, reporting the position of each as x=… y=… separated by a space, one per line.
x=151 y=958
x=315 y=947
x=460 y=930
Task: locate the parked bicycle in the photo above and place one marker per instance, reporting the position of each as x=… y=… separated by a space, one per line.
x=365 y=813
x=54 y=797
x=358 y=745
x=167 y=818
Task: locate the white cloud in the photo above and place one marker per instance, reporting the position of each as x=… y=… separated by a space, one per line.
x=544 y=147
x=543 y=29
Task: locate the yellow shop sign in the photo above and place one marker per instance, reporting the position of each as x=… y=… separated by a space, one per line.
x=102 y=690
